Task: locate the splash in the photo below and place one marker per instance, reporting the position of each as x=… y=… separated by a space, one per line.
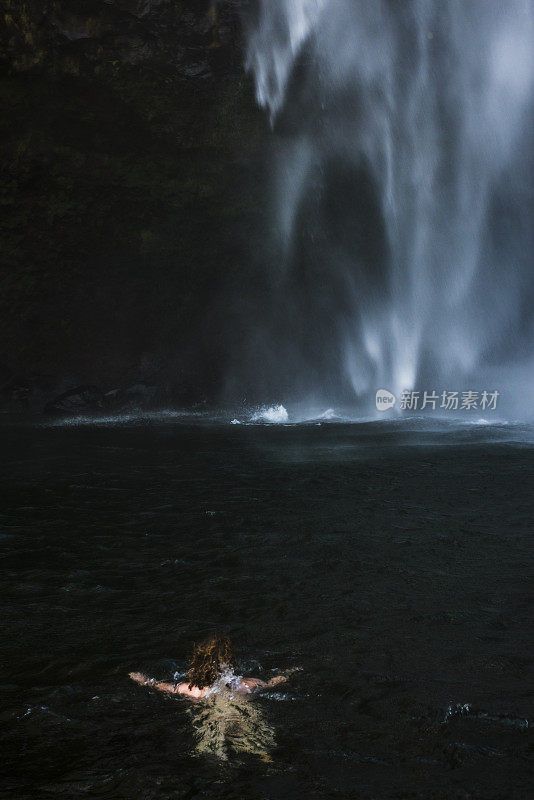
x=403 y=190
x=274 y=414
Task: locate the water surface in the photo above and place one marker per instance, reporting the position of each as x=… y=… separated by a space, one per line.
x=389 y=560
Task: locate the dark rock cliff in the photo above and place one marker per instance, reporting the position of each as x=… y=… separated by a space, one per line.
x=132 y=157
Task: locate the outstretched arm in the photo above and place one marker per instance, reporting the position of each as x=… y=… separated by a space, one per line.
x=161 y=686
x=169 y=688
x=255 y=684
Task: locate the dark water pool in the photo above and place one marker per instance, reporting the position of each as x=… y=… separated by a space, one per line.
x=390 y=562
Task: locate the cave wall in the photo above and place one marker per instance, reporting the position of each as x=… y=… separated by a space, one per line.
x=132 y=153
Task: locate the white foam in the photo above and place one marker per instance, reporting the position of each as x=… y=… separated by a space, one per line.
x=273 y=414
x=328 y=414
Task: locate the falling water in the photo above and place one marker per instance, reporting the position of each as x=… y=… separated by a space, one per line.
x=402 y=185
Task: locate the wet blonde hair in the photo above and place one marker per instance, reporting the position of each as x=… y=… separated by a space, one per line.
x=208 y=659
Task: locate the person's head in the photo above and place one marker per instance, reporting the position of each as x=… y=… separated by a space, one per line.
x=209 y=659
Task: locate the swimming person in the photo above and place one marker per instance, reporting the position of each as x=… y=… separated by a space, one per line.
x=226 y=722
x=212 y=669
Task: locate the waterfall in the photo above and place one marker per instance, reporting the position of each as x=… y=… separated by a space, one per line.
x=402 y=190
